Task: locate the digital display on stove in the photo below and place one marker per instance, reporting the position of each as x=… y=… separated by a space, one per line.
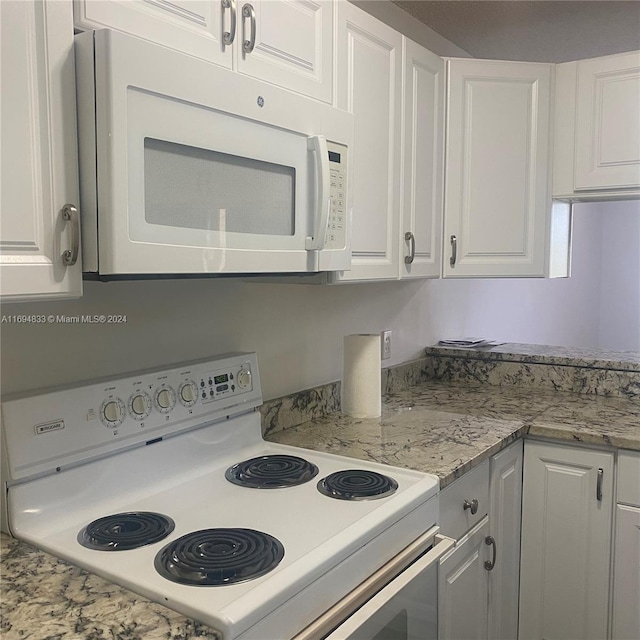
x=220 y=379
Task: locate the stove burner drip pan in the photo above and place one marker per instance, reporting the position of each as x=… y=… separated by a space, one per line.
x=271 y=472
x=357 y=484
x=125 y=531
x=216 y=557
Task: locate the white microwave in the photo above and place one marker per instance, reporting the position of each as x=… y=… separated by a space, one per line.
x=189 y=168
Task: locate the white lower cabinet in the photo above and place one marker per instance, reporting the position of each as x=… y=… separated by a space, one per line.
x=566 y=542
x=478 y=579
x=39 y=236
x=626 y=574
x=505 y=507
x=463 y=588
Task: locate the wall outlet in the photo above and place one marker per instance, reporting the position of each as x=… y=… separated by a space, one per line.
x=386 y=344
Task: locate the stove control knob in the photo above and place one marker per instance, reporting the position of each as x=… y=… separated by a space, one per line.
x=165 y=399
x=139 y=406
x=244 y=378
x=188 y=393
x=112 y=412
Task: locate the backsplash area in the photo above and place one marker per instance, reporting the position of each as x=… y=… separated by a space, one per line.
x=613 y=374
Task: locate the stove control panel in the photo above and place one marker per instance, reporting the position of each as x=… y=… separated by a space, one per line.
x=65 y=426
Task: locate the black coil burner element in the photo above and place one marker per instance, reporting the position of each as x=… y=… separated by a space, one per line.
x=214 y=557
x=357 y=484
x=271 y=472
x=124 y=531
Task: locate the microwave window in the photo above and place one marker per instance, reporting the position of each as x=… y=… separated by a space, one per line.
x=202 y=189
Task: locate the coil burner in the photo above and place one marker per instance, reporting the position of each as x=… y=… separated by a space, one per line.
x=125 y=531
x=271 y=472
x=357 y=484
x=215 y=557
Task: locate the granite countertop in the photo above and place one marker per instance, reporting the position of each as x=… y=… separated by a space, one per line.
x=446 y=429
x=436 y=427
x=546 y=354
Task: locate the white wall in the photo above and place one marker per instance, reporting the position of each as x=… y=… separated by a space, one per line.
x=619 y=327
x=598 y=307
x=296 y=330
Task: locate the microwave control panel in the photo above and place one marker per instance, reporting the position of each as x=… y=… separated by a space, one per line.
x=336 y=225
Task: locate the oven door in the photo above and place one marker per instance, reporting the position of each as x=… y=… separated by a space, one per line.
x=398 y=602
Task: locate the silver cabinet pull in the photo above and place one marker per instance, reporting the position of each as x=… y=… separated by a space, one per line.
x=473 y=506
x=411 y=239
x=229 y=36
x=70 y=214
x=599 y=485
x=248 y=12
x=454 y=251
x=488 y=565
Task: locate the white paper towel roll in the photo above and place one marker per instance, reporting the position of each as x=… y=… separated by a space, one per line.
x=361 y=376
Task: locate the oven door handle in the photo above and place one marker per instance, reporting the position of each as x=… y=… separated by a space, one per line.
x=382 y=586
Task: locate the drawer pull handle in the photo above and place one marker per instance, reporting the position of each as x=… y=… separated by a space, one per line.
x=489 y=540
x=70 y=214
x=472 y=506
x=229 y=36
x=454 y=251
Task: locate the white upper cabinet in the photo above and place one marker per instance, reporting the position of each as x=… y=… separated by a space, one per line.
x=195 y=27
x=598 y=127
x=369 y=85
x=286 y=42
x=497 y=195
x=422 y=204
x=39 y=153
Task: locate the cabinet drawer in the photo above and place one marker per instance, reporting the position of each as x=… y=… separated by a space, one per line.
x=455 y=520
x=629 y=477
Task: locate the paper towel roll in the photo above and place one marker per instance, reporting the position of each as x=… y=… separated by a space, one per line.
x=361 y=376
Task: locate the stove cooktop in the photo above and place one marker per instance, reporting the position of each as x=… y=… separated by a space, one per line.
x=252 y=564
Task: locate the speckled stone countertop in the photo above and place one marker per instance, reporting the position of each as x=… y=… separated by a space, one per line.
x=437 y=427
x=546 y=354
x=446 y=429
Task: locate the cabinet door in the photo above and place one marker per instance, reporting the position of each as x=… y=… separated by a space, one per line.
x=566 y=542
x=505 y=487
x=462 y=588
x=39 y=151
x=607 y=149
x=293 y=44
x=423 y=162
x=497 y=196
x=626 y=582
x=369 y=63
x=192 y=26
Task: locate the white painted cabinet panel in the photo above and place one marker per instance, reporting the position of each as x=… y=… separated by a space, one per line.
x=607 y=151
x=369 y=85
x=505 y=489
x=192 y=26
x=566 y=542
x=290 y=42
x=497 y=194
x=462 y=588
x=293 y=45
x=39 y=151
x=626 y=583
x=422 y=207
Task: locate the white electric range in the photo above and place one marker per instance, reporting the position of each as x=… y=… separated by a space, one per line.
x=161 y=482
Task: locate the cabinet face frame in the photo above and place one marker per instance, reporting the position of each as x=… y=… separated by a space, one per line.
x=498 y=115
x=39 y=133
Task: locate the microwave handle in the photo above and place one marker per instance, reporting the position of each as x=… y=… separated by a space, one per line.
x=318 y=144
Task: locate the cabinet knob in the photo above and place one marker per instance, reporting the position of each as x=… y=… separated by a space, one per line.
x=473 y=506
